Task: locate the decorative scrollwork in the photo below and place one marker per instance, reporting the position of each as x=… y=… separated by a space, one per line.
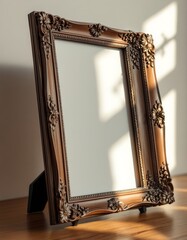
x=68 y=212
x=48 y=23
x=148 y=49
x=96 y=30
x=53 y=113
x=160 y=192
x=115 y=205
x=140 y=42
x=157 y=115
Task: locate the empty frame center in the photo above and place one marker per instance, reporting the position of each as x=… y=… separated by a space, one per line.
x=95 y=118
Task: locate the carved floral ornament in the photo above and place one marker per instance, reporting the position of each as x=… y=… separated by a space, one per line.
x=140 y=42
x=68 y=212
x=157 y=115
x=97 y=29
x=116 y=205
x=47 y=23
x=160 y=192
x=53 y=113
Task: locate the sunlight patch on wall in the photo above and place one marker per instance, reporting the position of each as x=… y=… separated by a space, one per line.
x=163 y=27
x=169 y=103
x=166 y=60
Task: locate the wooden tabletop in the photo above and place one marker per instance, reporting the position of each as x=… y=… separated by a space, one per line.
x=164 y=222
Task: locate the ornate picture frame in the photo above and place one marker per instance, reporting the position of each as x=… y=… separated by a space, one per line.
x=145 y=114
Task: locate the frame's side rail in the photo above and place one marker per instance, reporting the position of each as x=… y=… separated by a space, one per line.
x=143 y=60
x=47 y=113
x=160 y=183
x=163 y=193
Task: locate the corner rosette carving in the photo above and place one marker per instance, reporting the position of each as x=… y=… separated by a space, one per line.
x=140 y=42
x=160 y=192
x=115 y=205
x=96 y=29
x=68 y=212
x=157 y=115
x=47 y=23
x=53 y=113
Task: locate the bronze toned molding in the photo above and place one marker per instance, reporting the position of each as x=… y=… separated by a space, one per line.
x=140 y=42
x=160 y=192
x=47 y=23
x=97 y=29
x=53 y=113
x=68 y=212
x=157 y=115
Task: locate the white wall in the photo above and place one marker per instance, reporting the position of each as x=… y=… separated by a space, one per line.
x=20 y=145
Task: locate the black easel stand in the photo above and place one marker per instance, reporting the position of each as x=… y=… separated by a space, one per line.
x=37 y=194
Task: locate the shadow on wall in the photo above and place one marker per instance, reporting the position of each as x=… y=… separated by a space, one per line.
x=20 y=146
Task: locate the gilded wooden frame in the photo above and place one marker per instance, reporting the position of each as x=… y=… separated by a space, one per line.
x=154 y=185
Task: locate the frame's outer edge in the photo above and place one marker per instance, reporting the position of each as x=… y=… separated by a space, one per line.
x=41 y=88
x=160 y=185
x=142 y=55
